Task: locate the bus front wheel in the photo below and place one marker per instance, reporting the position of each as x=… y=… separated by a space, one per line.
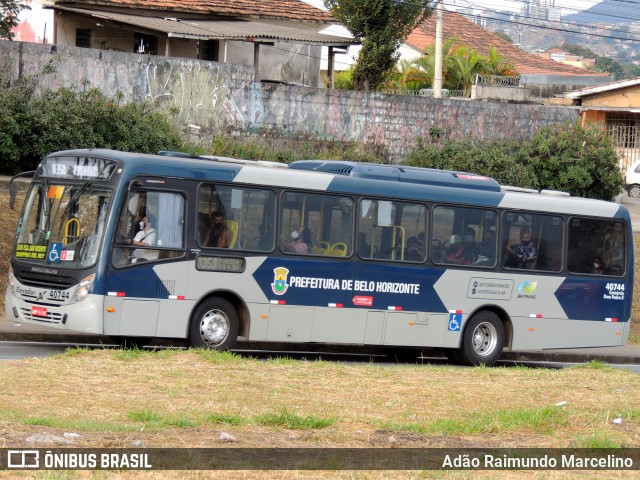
x=483 y=340
x=214 y=325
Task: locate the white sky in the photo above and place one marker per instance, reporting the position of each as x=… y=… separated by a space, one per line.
x=568 y=6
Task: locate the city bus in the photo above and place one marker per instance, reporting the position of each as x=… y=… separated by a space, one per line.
x=323 y=252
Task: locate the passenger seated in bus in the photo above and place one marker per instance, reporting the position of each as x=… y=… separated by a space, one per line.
x=524 y=253
x=218 y=234
x=596 y=266
x=413 y=251
x=145 y=237
x=459 y=253
x=300 y=241
x=486 y=249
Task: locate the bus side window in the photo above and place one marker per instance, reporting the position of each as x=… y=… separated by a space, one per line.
x=247 y=215
x=164 y=212
x=316 y=224
x=596 y=247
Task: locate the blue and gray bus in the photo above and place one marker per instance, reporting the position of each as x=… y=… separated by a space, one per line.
x=400 y=257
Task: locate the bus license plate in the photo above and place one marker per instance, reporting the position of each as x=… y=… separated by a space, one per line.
x=39 y=311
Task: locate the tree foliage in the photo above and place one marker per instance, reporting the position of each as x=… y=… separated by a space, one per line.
x=33 y=124
x=9 y=11
x=382 y=25
x=569 y=158
x=603 y=64
x=460 y=64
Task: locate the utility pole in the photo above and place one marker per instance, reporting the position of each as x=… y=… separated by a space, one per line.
x=437 y=75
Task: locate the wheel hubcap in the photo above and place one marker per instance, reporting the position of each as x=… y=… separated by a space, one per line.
x=214 y=327
x=484 y=339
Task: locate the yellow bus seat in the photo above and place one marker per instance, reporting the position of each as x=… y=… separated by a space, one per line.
x=321 y=248
x=232 y=226
x=338 y=250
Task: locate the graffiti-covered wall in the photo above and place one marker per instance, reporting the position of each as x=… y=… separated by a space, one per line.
x=223 y=98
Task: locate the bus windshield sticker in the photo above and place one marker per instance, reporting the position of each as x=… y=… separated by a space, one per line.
x=24 y=250
x=54 y=252
x=490 y=288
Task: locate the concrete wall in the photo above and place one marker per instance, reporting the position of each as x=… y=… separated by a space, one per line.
x=224 y=98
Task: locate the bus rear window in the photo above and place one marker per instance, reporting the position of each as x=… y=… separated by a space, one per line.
x=596 y=247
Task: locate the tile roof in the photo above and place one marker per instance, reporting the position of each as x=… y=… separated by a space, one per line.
x=476 y=37
x=271 y=9
x=227 y=29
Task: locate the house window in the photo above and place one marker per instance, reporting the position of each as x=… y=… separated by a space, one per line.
x=83 y=37
x=624 y=128
x=144 y=43
x=208 y=50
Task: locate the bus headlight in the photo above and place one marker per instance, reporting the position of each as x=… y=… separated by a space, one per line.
x=82 y=290
x=11 y=280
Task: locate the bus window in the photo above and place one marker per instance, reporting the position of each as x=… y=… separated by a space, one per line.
x=389 y=230
x=316 y=224
x=151 y=227
x=596 y=247
x=464 y=236
x=247 y=216
x=532 y=242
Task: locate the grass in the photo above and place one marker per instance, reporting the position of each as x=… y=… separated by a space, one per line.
x=186 y=400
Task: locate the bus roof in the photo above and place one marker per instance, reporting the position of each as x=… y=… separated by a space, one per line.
x=400 y=173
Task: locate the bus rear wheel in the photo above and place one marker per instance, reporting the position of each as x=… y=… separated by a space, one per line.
x=483 y=340
x=214 y=325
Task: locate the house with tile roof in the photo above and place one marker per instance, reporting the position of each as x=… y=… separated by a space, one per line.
x=282 y=39
x=543 y=77
x=616 y=107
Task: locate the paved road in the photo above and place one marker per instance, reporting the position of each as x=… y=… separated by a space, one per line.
x=633 y=204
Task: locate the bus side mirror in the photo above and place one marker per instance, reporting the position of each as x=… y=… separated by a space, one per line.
x=13 y=189
x=12 y=196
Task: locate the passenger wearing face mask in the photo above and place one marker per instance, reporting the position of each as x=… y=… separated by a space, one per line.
x=218 y=234
x=300 y=241
x=145 y=237
x=459 y=252
x=523 y=252
x=597 y=266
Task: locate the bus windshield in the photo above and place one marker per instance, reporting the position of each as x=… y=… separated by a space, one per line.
x=63 y=224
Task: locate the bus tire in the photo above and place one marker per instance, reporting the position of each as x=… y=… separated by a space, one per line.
x=483 y=340
x=214 y=325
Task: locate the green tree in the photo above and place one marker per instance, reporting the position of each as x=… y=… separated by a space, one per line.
x=34 y=124
x=504 y=36
x=608 y=65
x=568 y=157
x=9 y=11
x=460 y=64
x=578 y=50
x=382 y=25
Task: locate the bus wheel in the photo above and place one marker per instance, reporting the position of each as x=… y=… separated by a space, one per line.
x=214 y=325
x=483 y=340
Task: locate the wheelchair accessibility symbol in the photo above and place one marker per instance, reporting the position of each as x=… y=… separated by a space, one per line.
x=54 y=252
x=455 y=322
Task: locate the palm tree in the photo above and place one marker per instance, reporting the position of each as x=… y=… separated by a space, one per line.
x=460 y=64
